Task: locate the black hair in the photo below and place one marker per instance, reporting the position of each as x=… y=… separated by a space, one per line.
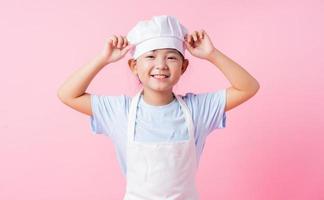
x=181 y=55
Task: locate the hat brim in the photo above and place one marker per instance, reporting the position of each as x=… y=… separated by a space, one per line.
x=159 y=43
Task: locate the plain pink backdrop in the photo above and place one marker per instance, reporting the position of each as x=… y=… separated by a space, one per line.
x=271 y=149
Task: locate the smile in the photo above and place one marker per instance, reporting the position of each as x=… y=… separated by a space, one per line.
x=160 y=76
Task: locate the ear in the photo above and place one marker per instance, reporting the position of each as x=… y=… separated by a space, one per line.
x=185 y=64
x=132 y=65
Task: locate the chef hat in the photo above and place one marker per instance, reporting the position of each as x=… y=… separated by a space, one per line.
x=159 y=32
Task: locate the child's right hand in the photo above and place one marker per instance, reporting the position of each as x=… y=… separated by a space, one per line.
x=115 y=48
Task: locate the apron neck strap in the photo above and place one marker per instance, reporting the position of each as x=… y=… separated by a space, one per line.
x=132 y=116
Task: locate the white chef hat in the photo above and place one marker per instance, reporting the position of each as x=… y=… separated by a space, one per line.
x=157 y=33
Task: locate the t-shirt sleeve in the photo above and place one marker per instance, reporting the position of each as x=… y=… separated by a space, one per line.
x=209 y=110
x=106 y=112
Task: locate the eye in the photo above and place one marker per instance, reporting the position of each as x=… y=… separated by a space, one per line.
x=173 y=58
x=149 y=57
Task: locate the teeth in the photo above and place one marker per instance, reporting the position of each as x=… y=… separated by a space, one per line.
x=160 y=76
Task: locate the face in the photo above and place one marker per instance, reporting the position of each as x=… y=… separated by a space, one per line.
x=159 y=69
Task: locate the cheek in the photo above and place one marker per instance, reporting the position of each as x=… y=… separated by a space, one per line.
x=142 y=74
x=176 y=68
x=141 y=68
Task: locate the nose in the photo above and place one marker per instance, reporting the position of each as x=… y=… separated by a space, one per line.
x=161 y=64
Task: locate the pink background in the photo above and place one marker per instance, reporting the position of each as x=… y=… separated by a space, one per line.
x=272 y=147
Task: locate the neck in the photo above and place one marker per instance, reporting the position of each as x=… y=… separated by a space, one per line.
x=158 y=98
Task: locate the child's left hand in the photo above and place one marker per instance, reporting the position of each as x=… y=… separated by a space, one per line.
x=199 y=44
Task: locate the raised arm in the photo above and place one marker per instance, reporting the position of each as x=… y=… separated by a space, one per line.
x=244 y=86
x=72 y=91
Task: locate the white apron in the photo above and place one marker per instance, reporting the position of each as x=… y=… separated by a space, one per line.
x=163 y=170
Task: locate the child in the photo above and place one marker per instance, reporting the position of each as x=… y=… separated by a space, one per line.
x=158 y=135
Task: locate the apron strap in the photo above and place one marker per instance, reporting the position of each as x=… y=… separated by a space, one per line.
x=132 y=117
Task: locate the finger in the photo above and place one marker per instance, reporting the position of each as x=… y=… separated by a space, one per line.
x=109 y=41
x=114 y=39
x=119 y=41
x=186 y=37
x=189 y=38
x=125 y=42
x=201 y=34
x=198 y=35
x=205 y=34
x=194 y=35
x=127 y=48
x=188 y=45
x=192 y=41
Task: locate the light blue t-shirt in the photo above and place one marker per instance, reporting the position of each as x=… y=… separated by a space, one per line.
x=157 y=123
